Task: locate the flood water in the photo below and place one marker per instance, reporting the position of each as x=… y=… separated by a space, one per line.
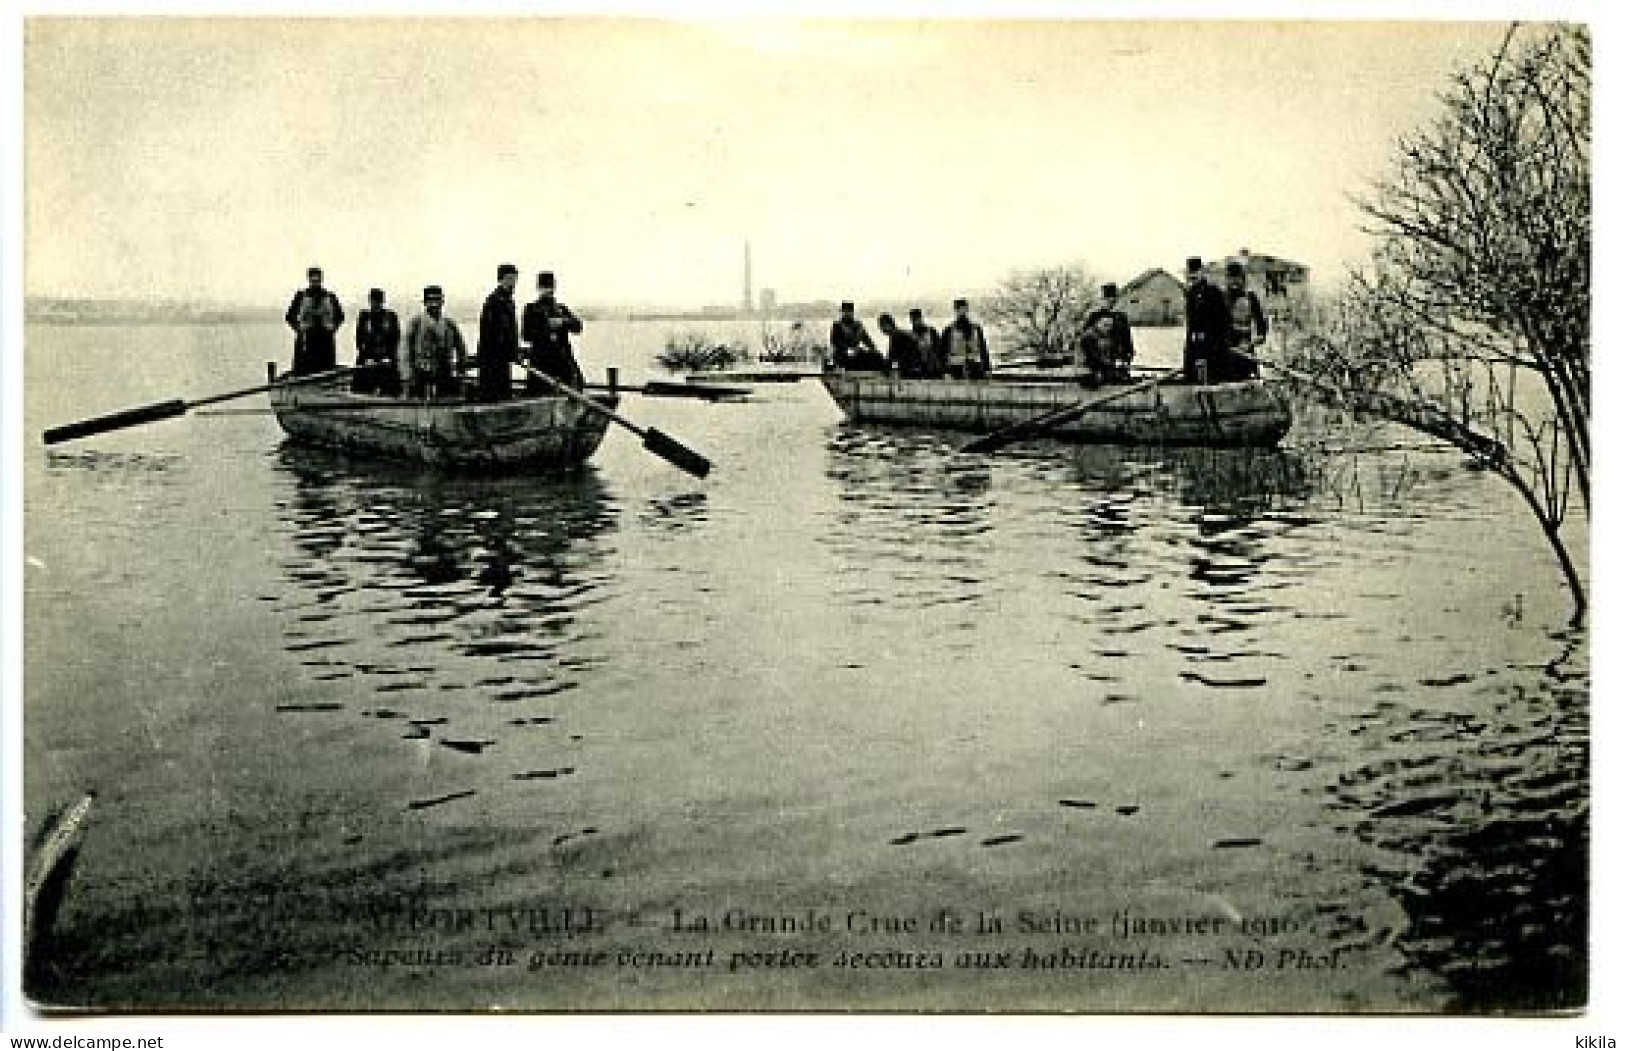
x=353 y=726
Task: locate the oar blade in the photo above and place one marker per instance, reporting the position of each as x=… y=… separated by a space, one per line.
x=707 y=391
x=997 y=440
x=115 y=421
x=664 y=446
x=986 y=444
x=676 y=453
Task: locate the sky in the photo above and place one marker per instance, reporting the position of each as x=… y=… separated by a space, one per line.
x=216 y=158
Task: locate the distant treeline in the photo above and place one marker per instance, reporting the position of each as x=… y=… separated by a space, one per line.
x=55 y=311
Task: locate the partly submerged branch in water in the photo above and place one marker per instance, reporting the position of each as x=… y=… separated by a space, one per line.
x=1483 y=268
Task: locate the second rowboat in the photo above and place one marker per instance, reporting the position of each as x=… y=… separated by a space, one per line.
x=1249 y=413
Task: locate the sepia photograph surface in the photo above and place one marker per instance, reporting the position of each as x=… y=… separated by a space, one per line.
x=788 y=515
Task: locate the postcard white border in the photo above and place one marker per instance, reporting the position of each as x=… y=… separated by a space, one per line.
x=1604 y=1017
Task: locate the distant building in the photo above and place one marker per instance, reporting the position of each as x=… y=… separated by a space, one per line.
x=1156 y=297
x=769 y=301
x=807 y=310
x=747 y=301
x=1281 y=284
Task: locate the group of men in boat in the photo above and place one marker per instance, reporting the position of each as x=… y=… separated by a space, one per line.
x=429 y=358
x=1223 y=326
x=959 y=351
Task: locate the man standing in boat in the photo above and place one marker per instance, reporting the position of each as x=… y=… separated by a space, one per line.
x=1248 y=325
x=547 y=328
x=965 y=346
x=314 y=315
x=1108 y=320
x=377 y=349
x=1207 y=324
x=926 y=338
x=498 y=347
x=846 y=336
x=435 y=352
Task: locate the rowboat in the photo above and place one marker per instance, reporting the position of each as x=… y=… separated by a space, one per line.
x=1248 y=413
x=525 y=434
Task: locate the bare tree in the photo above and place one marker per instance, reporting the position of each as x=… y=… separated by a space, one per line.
x=1475 y=312
x=1043 y=310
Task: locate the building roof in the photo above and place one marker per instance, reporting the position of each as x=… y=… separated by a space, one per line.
x=1257 y=262
x=1260 y=261
x=1146 y=278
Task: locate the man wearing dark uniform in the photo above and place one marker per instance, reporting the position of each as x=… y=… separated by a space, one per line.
x=902 y=352
x=925 y=337
x=1119 y=342
x=964 y=346
x=377 y=349
x=314 y=315
x=1095 y=350
x=1207 y=324
x=498 y=347
x=1248 y=326
x=846 y=336
x=547 y=328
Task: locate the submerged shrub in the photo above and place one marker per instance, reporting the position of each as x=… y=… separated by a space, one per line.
x=699 y=352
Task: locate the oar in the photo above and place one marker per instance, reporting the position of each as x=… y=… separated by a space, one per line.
x=662 y=445
x=662 y=389
x=370 y=405
x=165 y=410
x=709 y=391
x=1048 y=421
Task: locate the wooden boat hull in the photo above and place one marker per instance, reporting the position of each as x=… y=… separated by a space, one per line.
x=525 y=434
x=1251 y=413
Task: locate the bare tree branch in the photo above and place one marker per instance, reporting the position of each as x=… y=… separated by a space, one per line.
x=1483 y=261
x=1043 y=311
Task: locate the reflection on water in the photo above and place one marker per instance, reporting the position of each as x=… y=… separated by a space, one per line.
x=1232 y=486
x=1243 y=575
x=1311 y=683
x=1475 y=805
x=452 y=605
x=911 y=524
x=109 y=463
